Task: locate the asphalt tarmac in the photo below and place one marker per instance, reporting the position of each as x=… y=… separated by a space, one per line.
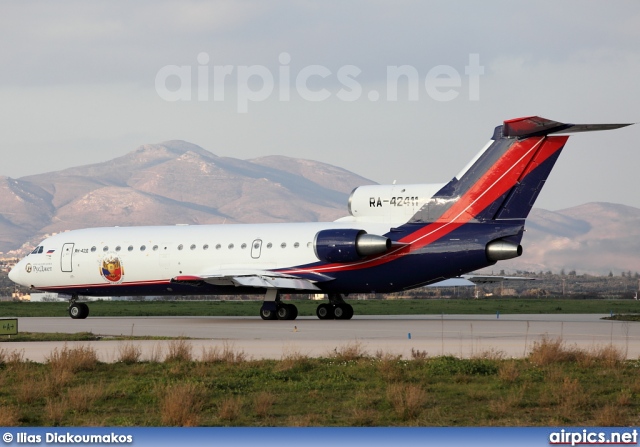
x=459 y=335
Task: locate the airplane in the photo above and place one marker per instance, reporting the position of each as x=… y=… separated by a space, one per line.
x=396 y=237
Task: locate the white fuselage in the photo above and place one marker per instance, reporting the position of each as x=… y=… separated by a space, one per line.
x=156 y=254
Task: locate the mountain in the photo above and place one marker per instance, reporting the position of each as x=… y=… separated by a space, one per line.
x=169 y=183
x=178 y=182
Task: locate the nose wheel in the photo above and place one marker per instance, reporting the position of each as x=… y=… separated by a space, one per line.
x=78 y=311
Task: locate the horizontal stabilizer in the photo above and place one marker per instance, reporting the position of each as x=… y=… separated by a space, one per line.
x=531 y=126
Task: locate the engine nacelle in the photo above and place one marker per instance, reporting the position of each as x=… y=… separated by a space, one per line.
x=348 y=245
x=501 y=250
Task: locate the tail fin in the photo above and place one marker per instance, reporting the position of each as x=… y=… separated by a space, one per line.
x=505 y=178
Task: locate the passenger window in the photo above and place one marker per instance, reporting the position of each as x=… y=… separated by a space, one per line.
x=243 y=246
x=218 y=246
x=230 y=246
x=269 y=245
x=193 y=246
x=155 y=248
x=118 y=248
x=296 y=245
x=205 y=247
x=105 y=248
x=130 y=248
x=93 y=249
x=180 y=247
x=143 y=248
x=283 y=245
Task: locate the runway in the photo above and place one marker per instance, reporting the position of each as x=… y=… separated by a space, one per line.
x=459 y=335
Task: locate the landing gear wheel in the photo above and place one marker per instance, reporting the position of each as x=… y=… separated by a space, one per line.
x=343 y=311
x=325 y=311
x=78 y=311
x=287 y=312
x=294 y=311
x=267 y=314
x=349 y=313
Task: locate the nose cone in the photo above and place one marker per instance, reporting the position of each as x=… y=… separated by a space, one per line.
x=14 y=274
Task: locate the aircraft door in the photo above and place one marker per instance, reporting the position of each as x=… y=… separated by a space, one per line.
x=66 y=264
x=256 y=248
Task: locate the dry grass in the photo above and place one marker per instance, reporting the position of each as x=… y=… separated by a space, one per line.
x=351 y=351
x=489 y=354
x=29 y=390
x=407 y=400
x=129 y=353
x=13 y=360
x=610 y=416
x=504 y=406
x=263 y=404
x=228 y=354
x=79 y=358
x=156 y=353
x=389 y=367
x=55 y=381
x=625 y=398
x=417 y=354
x=609 y=356
x=55 y=409
x=291 y=359
x=8 y=416
x=572 y=396
x=181 y=405
x=508 y=371
x=230 y=408
x=547 y=352
x=179 y=350
x=303 y=420
x=82 y=398
x=364 y=417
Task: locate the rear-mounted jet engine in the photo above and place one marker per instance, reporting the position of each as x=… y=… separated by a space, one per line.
x=348 y=245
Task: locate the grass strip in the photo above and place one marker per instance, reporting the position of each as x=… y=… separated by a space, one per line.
x=308 y=307
x=555 y=385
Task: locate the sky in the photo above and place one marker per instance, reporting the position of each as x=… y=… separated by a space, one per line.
x=84 y=82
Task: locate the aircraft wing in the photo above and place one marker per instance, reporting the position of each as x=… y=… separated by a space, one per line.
x=253 y=278
x=472 y=280
x=490 y=279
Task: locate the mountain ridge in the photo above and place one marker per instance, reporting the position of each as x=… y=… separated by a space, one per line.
x=177 y=182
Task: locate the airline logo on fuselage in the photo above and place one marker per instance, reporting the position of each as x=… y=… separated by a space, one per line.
x=38 y=268
x=111 y=268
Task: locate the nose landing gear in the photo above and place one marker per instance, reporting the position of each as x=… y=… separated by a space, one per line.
x=78 y=311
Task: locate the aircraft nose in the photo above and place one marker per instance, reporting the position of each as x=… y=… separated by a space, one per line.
x=14 y=273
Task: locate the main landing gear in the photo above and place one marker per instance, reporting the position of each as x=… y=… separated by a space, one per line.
x=336 y=309
x=274 y=309
x=78 y=311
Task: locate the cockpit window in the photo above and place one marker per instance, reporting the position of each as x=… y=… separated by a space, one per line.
x=35 y=250
x=41 y=249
